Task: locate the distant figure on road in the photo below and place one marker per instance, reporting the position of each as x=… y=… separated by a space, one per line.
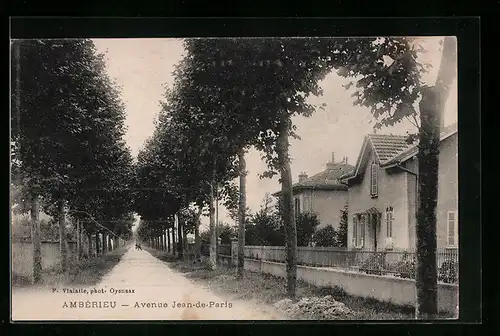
x=138 y=246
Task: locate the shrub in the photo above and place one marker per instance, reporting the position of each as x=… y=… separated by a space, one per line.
x=448 y=272
x=406 y=267
x=374 y=264
x=326 y=236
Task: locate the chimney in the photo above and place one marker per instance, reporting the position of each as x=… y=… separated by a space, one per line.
x=331 y=164
x=302 y=176
x=346 y=160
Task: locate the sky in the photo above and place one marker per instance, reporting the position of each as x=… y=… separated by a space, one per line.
x=143 y=67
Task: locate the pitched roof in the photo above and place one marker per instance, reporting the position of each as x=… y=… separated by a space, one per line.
x=392 y=149
x=413 y=150
x=386 y=146
x=329 y=179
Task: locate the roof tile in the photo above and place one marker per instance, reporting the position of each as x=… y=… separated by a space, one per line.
x=387 y=146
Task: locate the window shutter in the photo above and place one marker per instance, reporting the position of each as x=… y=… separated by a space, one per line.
x=374 y=179
x=363 y=224
x=371 y=179
x=354 y=230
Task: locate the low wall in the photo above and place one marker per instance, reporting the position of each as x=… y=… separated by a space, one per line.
x=383 y=288
x=22 y=256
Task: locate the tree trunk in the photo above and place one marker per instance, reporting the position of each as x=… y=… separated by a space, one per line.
x=212 y=261
x=173 y=239
x=162 y=239
x=287 y=214
x=36 y=239
x=168 y=240
x=242 y=215
x=103 y=243
x=216 y=204
x=184 y=240
x=163 y=242
x=62 y=238
x=89 y=248
x=180 y=237
x=105 y=247
x=78 y=240
x=197 y=238
x=431 y=115
x=97 y=244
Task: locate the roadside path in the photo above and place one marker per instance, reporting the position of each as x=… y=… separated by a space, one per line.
x=139 y=287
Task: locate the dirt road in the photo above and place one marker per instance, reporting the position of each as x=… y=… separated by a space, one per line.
x=139 y=287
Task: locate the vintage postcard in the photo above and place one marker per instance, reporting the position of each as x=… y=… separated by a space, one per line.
x=234 y=179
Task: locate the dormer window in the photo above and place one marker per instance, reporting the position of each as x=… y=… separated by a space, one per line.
x=374 y=180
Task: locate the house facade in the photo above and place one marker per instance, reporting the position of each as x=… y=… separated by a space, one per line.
x=383 y=193
x=323 y=193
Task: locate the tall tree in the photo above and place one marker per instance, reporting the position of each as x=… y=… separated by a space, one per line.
x=431 y=113
x=66 y=123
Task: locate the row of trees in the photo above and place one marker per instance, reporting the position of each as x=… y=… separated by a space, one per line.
x=233 y=94
x=67 y=150
x=267 y=230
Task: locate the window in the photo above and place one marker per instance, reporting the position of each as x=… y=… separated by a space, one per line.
x=358 y=231
x=297 y=206
x=374 y=180
x=389 y=219
x=452 y=228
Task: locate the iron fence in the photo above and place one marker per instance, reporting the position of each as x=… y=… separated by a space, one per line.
x=400 y=263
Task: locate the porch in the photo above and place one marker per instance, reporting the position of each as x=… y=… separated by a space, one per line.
x=367 y=231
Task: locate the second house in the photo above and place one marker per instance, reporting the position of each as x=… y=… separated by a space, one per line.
x=323 y=193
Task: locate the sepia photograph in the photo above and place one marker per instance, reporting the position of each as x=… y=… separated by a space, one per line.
x=305 y=178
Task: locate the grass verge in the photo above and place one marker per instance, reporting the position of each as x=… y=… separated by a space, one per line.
x=267 y=289
x=86 y=272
